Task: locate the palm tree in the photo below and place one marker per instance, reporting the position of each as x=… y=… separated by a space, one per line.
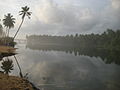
x=1 y=30
x=8 y=22
x=7 y=66
x=24 y=12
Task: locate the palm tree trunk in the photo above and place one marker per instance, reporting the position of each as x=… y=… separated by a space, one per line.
x=18 y=29
x=8 y=32
x=7 y=73
x=5 y=38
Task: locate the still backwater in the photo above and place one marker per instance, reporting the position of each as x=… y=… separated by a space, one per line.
x=59 y=69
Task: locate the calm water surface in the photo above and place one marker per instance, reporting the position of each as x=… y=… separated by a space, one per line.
x=58 y=70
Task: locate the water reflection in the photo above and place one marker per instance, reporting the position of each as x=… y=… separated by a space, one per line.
x=108 y=56
x=57 y=70
x=7 y=66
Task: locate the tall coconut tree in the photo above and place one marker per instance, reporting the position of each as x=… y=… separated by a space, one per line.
x=24 y=12
x=8 y=22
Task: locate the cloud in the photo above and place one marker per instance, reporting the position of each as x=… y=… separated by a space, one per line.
x=116 y=4
x=69 y=17
x=109 y=17
x=48 y=12
x=56 y=20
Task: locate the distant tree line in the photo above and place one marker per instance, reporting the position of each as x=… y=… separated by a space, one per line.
x=110 y=39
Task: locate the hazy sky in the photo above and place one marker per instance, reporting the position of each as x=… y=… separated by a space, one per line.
x=61 y=17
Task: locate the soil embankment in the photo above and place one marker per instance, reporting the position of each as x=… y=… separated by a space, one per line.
x=14 y=83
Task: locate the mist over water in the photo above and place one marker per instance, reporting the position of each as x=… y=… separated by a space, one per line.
x=64 y=45
x=58 y=70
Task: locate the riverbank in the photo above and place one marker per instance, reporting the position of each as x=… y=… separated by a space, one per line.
x=14 y=83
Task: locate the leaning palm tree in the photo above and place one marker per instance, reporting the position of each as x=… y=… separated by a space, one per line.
x=8 y=22
x=7 y=66
x=24 y=12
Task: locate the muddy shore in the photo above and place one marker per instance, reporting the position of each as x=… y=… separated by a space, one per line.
x=14 y=83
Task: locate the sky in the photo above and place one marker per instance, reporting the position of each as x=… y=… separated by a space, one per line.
x=62 y=17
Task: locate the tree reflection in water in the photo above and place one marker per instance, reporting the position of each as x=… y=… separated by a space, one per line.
x=7 y=66
x=108 y=56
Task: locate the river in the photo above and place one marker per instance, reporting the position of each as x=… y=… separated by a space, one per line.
x=65 y=70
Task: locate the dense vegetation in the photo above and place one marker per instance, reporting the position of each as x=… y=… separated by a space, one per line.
x=105 y=45
x=4 y=39
x=110 y=39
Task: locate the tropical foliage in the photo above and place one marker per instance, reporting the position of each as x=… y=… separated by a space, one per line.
x=110 y=39
x=8 y=22
x=1 y=31
x=24 y=12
